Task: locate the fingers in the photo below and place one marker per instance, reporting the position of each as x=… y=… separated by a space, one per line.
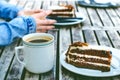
x=37 y=11
x=45 y=27
x=46 y=22
x=42 y=23
x=43 y=14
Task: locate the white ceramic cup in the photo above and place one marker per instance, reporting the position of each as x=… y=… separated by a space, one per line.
x=38 y=57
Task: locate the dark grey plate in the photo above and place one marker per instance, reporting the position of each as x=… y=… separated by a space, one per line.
x=95 y=4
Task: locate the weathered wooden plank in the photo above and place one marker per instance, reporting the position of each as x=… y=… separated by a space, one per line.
x=54 y=2
x=67 y=75
x=29 y=5
x=103 y=38
x=106 y=21
x=103 y=78
x=1 y=49
x=37 y=4
x=118 y=13
x=89 y=37
x=117 y=28
x=48 y=75
x=83 y=12
x=117 y=10
x=114 y=38
x=16 y=69
x=15 y=72
x=65 y=41
x=46 y=4
x=21 y=3
x=114 y=17
x=31 y=76
x=82 y=77
x=77 y=34
x=94 y=17
x=6 y=59
x=62 y=2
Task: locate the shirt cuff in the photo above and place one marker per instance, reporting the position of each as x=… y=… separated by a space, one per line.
x=31 y=24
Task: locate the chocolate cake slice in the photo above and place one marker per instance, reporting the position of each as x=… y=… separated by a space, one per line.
x=62 y=11
x=81 y=55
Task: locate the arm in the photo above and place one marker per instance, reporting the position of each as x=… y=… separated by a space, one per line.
x=22 y=25
x=8 y=11
x=16 y=28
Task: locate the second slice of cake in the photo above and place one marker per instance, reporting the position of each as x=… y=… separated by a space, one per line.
x=62 y=11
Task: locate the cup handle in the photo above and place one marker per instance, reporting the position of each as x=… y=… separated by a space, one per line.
x=17 y=52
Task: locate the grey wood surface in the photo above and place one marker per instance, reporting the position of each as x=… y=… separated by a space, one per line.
x=101 y=27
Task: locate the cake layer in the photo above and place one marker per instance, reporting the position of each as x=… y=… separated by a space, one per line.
x=86 y=58
x=61 y=8
x=93 y=52
x=62 y=11
x=90 y=66
x=61 y=14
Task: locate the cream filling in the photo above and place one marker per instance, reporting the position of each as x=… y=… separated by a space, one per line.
x=97 y=64
x=89 y=56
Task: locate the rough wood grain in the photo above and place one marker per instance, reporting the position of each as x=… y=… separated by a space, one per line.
x=106 y=21
x=65 y=41
x=37 y=5
x=29 y=5
x=77 y=34
x=46 y=4
x=84 y=13
x=22 y=3
x=16 y=69
x=31 y=76
x=114 y=38
x=6 y=59
x=90 y=37
x=94 y=17
x=102 y=38
x=114 y=17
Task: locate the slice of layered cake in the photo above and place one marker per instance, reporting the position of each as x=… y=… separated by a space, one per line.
x=81 y=55
x=62 y=11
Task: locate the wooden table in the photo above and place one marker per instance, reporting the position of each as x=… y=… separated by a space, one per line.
x=101 y=27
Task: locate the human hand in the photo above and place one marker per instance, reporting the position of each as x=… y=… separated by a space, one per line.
x=28 y=12
x=42 y=23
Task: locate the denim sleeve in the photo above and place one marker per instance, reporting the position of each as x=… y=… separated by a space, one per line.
x=8 y=11
x=16 y=28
